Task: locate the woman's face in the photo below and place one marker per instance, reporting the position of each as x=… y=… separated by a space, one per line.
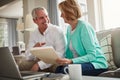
x=63 y=16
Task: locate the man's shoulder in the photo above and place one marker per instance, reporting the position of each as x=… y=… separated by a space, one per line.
x=55 y=28
x=34 y=32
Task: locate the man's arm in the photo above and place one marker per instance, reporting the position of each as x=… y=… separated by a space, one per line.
x=30 y=45
x=60 y=43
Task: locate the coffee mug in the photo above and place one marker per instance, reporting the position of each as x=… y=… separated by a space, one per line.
x=75 y=71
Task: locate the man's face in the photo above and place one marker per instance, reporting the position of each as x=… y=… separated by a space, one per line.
x=42 y=19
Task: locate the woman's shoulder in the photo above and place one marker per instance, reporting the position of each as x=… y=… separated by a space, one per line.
x=84 y=24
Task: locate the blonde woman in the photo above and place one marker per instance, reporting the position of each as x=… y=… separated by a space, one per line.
x=82 y=45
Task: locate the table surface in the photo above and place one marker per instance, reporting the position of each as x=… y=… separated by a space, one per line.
x=98 y=78
x=66 y=77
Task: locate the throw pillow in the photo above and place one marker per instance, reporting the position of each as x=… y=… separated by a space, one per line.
x=105 y=43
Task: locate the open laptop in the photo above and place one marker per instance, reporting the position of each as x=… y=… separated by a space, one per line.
x=9 y=68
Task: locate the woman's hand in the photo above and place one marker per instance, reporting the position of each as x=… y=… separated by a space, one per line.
x=63 y=61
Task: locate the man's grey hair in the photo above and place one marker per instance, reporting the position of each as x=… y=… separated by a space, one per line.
x=36 y=9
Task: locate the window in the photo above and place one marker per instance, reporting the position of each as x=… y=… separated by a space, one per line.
x=3 y=33
x=8 y=33
x=83 y=5
x=104 y=14
x=111 y=13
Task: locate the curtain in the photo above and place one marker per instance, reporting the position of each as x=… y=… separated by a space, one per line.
x=53 y=11
x=2 y=26
x=12 y=33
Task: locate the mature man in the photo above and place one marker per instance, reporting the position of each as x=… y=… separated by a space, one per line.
x=46 y=34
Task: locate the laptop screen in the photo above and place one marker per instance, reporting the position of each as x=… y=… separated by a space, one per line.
x=8 y=66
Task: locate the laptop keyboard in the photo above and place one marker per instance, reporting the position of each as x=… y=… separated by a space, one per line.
x=26 y=74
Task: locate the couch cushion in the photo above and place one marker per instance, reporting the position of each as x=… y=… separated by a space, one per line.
x=116 y=46
x=105 y=43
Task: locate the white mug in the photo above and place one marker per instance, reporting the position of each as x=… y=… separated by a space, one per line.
x=75 y=71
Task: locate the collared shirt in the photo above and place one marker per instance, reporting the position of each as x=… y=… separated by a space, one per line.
x=53 y=36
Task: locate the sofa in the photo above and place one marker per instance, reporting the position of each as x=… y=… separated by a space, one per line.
x=110 y=40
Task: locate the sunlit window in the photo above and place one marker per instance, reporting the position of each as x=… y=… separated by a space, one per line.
x=8 y=34
x=111 y=13
x=3 y=33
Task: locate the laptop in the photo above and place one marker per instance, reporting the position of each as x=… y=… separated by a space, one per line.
x=10 y=70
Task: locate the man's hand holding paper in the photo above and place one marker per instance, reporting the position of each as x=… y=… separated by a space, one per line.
x=46 y=54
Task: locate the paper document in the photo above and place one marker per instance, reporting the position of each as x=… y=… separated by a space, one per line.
x=46 y=54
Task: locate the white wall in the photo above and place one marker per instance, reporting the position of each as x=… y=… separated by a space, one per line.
x=12 y=10
x=41 y=3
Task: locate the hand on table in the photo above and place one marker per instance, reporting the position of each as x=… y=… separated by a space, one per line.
x=63 y=61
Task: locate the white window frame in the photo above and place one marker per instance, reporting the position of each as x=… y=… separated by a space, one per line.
x=95 y=14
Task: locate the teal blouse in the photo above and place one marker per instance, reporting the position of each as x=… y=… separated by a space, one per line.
x=85 y=42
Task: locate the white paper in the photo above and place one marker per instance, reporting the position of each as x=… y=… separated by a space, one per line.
x=46 y=54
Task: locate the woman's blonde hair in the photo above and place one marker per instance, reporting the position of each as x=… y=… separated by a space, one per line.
x=71 y=9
